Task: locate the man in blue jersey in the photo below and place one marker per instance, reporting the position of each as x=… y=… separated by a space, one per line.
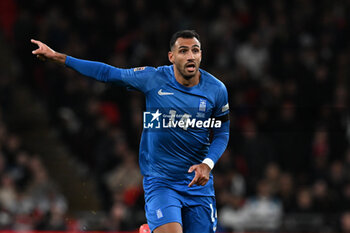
x=183 y=105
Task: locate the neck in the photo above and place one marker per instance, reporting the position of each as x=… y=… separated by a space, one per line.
x=187 y=82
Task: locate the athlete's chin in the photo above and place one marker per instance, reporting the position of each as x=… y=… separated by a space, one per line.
x=189 y=74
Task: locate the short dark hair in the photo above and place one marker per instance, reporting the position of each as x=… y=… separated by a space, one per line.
x=188 y=34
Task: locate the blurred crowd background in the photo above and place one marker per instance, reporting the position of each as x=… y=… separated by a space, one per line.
x=286 y=65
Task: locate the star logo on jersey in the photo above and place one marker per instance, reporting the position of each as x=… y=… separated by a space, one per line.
x=160 y=92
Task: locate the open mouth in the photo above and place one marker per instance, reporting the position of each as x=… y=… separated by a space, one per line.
x=191 y=67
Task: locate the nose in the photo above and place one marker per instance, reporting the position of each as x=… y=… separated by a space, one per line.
x=190 y=56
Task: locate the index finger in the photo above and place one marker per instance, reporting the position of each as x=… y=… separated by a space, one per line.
x=194 y=181
x=35 y=42
x=190 y=184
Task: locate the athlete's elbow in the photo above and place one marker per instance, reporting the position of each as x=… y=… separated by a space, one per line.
x=103 y=74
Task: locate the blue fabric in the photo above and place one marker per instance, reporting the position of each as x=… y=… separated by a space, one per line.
x=169 y=152
x=97 y=70
x=165 y=205
x=219 y=143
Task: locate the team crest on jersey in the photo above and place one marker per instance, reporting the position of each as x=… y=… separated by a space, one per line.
x=139 y=68
x=202 y=105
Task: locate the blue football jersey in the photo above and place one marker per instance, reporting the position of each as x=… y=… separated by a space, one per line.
x=168 y=152
x=167 y=148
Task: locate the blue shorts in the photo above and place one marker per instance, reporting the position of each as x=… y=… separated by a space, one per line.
x=194 y=213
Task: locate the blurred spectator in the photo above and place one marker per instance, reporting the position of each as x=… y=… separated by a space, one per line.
x=256 y=150
x=336 y=176
x=54 y=220
x=25 y=207
x=122 y=216
x=119 y=217
x=232 y=216
x=287 y=134
x=272 y=177
x=303 y=217
x=286 y=192
x=20 y=172
x=263 y=211
x=126 y=179
x=320 y=153
x=253 y=55
x=8 y=193
x=320 y=145
x=324 y=198
x=238 y=184
x=345 y=222
x=304 y=201
x=11 y=148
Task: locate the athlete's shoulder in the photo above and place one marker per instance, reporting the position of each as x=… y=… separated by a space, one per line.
x=218 y=92
x=211 y=81
x=150 y=72
x=143 y=78
x=160 y=70
x=164 y=69
x=144 y=69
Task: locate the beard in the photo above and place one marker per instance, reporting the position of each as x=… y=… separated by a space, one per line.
x=186 y=75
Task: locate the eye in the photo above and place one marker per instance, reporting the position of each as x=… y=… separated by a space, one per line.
x=195 y=50
x=183 y=51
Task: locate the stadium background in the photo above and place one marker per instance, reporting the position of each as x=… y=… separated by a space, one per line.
x=68 y=145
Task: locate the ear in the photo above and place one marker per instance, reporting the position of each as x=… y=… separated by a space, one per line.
x=171 y=56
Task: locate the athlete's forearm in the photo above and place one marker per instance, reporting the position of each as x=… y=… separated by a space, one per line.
x=59 y=58
x=219 y=143
x=97 y=70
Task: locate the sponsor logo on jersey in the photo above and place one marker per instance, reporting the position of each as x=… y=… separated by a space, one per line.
x=161 y=92
x=139 y=68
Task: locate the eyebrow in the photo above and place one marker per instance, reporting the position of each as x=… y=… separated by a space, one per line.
x=185 y=47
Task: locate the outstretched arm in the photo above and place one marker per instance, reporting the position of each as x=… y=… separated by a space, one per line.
x=139 y=79
x=44 y=52
x=97 y=70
